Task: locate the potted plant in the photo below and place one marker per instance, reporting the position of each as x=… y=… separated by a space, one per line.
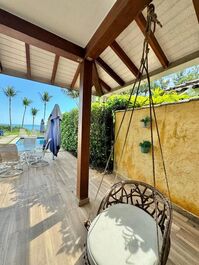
x=145 y=146
x=146 y=122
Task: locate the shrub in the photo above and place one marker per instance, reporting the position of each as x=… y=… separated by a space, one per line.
x=101 y=135
x=69 y=130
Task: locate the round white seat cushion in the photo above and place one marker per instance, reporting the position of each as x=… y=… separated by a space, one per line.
x=123 y=234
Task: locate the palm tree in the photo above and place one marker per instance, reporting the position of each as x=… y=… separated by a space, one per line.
x=26 y=102
x=10 y=92
x=45 y=97
x=34 y=113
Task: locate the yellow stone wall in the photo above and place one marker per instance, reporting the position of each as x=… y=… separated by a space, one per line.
x=179 y=130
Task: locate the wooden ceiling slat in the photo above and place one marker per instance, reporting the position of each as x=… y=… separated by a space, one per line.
x=196 y=6
x=124 y=57
x=54 y=69
x=119 y=17
x=29 y=33
x=141 y=22
x=96 y=81
x=110 y=71
x=75 y=76
x=104 y=85
x=27 y=48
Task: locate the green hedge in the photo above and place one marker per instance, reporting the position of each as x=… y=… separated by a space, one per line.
x=101 y=136
x=101 y=133
x=69 y=130
x=102 y=124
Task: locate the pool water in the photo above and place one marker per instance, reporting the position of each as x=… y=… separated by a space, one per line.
x=21 y=147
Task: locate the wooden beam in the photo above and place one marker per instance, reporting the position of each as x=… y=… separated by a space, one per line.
x=96 y=81
x=124 y=57
x=75 y=77
x=104 y=85
x=141 y=22
x=27 y=48
x=176 y=66
x=109 y=71
x=29 y=33
x=196 y=6
x=56 y=61
x=119 y=17
x=84 y=131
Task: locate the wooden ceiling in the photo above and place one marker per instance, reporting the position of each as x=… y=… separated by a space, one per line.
x=29 y=51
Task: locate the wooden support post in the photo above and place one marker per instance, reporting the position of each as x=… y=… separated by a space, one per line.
x=84 y=132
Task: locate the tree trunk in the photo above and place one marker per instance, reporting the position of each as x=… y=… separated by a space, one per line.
x=44 y=111
x=23 y=117
x=33 y=122
x=10 y=114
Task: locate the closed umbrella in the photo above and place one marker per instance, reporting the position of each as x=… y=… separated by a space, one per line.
x=42 y=128
x=53 y=133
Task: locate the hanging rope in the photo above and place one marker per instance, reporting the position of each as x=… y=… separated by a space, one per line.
x=150 y=28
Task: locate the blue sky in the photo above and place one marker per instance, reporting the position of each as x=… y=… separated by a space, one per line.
x=32 y=91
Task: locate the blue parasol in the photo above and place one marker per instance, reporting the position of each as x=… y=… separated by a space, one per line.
x=53 y=133
x=42 y=127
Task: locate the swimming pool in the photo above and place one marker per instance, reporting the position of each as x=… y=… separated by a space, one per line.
x=21 y=147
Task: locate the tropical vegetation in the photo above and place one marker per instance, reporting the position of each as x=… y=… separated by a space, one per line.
x=26 y=102
x=45 y=97
x=10 y=93
x=34 y=112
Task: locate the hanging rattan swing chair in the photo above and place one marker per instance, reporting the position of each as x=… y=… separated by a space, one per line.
x=133 y=222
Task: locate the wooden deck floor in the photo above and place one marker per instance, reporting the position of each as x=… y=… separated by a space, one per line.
x=40 y=223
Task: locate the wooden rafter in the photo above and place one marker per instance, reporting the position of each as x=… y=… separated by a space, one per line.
x=96 y=81
x=29 y=33
x=141 y=22
x=119 y=17
x=27 y=48
x=55 y=65
x=110 y=71
x=75 y=76
x=124 y=57
x=196 y=6
x=104 y=85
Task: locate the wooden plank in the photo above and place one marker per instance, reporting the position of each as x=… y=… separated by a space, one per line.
x=196 y=7
x=96 y=81
x=27 y=48
x=56 y=61
x=124 y=57
x=40 y=222
x=119 y=17
x=29 y=33
x=109 y=71
x=104 y=85
x=141 y=22
x=75 y=77
x=84 y=131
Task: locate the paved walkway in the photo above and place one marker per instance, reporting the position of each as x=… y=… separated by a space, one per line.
x=7 y=139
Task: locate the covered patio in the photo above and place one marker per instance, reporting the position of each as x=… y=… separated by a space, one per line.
x=42 y=224
x=94 y=48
